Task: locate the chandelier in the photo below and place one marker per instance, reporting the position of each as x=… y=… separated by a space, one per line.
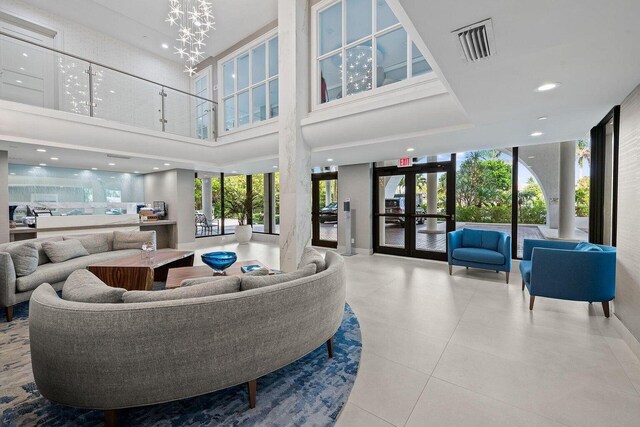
x=194 y=19
x=359 y=73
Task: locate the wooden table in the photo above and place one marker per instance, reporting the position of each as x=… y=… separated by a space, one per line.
x=177 y=275
x=137 y=273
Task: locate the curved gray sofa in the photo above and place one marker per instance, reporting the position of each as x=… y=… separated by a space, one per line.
x=112 y=356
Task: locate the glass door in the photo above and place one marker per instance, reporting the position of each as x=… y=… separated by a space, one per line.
x=324 y=209
x=414 y=210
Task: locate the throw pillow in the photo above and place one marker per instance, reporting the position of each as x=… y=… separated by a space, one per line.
x=255 y=282
x=42 y=256
x=225 y=285
x=65 y=250
x=262 y=271
x=25 y=258
x=93 y=243
x=310 y=256
x=132 y=239
x=587 y=247
x=199 y=280
x=84 y=286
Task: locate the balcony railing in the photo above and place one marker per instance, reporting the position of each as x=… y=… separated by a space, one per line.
x=31 y=73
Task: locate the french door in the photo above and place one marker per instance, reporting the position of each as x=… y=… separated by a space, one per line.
x=324 y=209
x=414 y=209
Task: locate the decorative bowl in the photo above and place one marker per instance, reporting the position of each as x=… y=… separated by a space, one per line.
x=219 y=261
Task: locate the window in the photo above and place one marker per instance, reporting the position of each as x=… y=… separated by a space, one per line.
x=250 y=85
x=362 y=46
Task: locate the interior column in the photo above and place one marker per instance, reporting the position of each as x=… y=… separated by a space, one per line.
x=295 y=166
x=567 y=204
x=4 y=196
x=206 y=198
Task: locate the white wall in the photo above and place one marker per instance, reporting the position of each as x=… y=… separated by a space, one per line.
x=627 y=302
x=4 y=197
x=354 y=182
x=133 y=101
x=176 y=188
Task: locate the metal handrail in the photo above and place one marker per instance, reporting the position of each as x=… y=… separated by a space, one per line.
x=2 y=33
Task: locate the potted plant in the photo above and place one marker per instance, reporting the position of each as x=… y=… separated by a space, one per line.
x=238 y=203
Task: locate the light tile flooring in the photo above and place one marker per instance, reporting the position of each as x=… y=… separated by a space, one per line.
x=465 y=350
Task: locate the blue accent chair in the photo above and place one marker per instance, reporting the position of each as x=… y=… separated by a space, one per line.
x=489 y=250
x=557 y=269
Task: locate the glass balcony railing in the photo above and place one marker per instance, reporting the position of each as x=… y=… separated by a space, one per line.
x=38 y=75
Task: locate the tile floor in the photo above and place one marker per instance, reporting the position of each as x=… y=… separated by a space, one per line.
x=465 y=350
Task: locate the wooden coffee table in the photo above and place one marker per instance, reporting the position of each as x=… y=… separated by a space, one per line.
x=177 y=275
x=137 y=273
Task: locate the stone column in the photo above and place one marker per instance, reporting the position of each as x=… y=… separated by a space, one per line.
x=295 y=167
x=4 y=196
x=269 y=196
x=206 y=198
x=327 y=193
x=567 y=205
x=432 y=198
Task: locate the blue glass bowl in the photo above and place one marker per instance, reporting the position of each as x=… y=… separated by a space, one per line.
x=219 y=261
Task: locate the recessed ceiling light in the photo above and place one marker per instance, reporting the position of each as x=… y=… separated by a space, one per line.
x=24 y=54
x=112 y=164
x=38 y=167
x=12 y=173
x=547 y=86
x=329 y=160
x=112 y=91
x=94 y=169
x=75 y=174
x=234 y=171
x=275 y=167
x=531 y=157
x=536 y=133
x=136 y=172
x=165 y=46
x=18 y=81
x=113 y=177
x=543 y=118
x=167 y=164
x=54 y=158
x=43 y=164
x=21 y=68
x=41 y=150
x=411 y=149
x=156 y=168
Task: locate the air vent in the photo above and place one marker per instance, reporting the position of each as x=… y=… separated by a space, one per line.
x=475 y=41
x=116 y=156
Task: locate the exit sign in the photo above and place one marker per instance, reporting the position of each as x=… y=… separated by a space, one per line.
x=405 y=162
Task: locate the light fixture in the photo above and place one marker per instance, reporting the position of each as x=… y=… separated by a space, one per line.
x=329 y=160
x=41 y=150
x=167 y=164
x=43 y=164
x=54 y=158
x=275 y=166
x=165 y=46
x=531 y=157
x=25 y=54
x=194 y=19
x=136 y=172
x=75 y=174
x=12 y=173
x=547 y=86
x=411 y=149
x=113 y=177
x=542 y=118
x=234 y=171
x=112 y=91
x=537 y=133
x=19 y=81
x=156 y=168
x=112 y=164
x=94 y=169
x=38 y=167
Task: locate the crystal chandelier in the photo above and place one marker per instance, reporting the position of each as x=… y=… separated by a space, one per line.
x=194 y=19
x=359 y=73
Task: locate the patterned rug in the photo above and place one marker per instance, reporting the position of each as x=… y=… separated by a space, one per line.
x=310 y=391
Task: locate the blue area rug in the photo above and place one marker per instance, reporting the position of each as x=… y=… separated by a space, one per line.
x=310 y=391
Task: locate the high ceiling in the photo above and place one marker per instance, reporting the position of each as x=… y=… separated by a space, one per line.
x=142 y=22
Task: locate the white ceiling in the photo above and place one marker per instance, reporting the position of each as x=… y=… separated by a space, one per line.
x=142 y=22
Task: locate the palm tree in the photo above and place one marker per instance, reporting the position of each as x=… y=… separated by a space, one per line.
x=583 y=152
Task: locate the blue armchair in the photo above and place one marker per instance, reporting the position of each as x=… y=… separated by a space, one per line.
x=489 y=250
x=564 y=270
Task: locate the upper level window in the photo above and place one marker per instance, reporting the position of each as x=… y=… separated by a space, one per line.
x=360 y=46
x=249 y=82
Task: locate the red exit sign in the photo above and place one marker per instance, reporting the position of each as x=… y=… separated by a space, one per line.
x=405 y=162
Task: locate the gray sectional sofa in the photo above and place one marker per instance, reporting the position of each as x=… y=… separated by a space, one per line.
x=17 y=259
x=109 y=356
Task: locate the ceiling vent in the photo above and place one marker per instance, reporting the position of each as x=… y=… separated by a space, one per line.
x=475 y=42
x=116 y=156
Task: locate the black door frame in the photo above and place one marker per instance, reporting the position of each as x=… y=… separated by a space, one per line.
x=316 y=178
x=409 y=214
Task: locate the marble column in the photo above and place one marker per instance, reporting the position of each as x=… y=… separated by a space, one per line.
x=432 y=197
x=4 y=196
x=206 y=198
x=567 y=205
x=294 y=161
